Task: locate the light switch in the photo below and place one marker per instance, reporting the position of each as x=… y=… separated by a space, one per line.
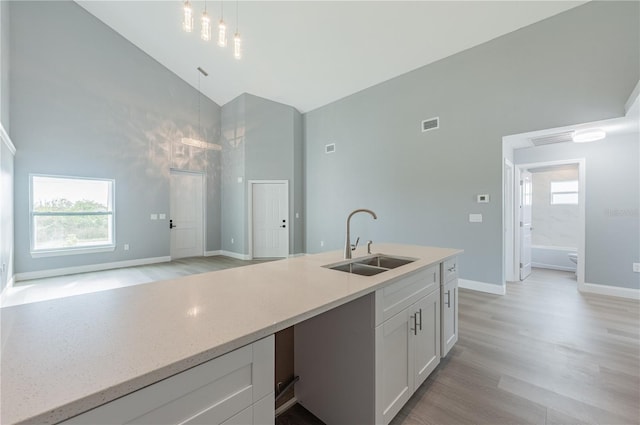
x=154 y=216
x=163 y=216
x=475 y=218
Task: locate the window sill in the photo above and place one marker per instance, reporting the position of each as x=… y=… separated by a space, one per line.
x=72 y=251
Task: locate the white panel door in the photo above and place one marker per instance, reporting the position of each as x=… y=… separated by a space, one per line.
x=186 y=215
x=270 y=224
x=526 y=200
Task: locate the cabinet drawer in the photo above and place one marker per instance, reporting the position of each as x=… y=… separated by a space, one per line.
x=450 y=270
x=399 y=295
x=209 y=393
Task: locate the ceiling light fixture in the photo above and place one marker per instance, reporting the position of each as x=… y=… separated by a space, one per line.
x=237 y=41
x=222 y=29
x=187 y=22
x=205 y=32
x=589 y=135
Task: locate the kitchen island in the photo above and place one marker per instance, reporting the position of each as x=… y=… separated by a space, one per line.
x=63 y=357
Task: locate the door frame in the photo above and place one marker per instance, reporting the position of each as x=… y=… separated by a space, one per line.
x=203 y=176
x=508 y=220
x=251 y=183
x=582 y=190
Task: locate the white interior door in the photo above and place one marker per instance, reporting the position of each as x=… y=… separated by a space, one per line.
x=270 y=224
x=526 y=199
x=186 y=214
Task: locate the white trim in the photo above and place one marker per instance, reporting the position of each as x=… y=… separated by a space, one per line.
x=250 y=184
x=89 y=268
x=582 y=179
x=212 y=253
x=508 y=224
x=7 y=140
x=489 y=288
x=235 y=255
x=300 y=254
x=552 y=267
x=612 y=291
x=286 y=406
x=7 y=287
x=73 y=251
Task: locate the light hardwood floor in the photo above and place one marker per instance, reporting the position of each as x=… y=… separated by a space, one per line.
x=82 y=283
x=542 y=354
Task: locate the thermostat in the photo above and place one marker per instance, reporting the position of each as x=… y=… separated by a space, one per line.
x=483 y=199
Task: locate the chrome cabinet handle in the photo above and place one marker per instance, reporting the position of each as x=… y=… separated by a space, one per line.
x=420 y=324
x=415 y=324
x=452 y=268
x=449 y=299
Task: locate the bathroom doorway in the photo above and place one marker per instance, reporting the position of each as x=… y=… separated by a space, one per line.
x=550 y=217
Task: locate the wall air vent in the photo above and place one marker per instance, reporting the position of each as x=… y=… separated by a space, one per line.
x=431 y=124
x=551 y=139
x=331 y=148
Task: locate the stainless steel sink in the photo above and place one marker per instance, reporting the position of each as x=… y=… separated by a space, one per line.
x=371 y=264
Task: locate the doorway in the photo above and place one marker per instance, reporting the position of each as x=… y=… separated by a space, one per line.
x=186 y=214
x=524 y=197
x=268 y=218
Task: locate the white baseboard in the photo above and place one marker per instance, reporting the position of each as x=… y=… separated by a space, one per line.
x=88 y=268
x=212 y=253
x=286 y=406
x=553 y=267
x=300 y=254
x=482 y=286
x=235 y=255
x=612 y=291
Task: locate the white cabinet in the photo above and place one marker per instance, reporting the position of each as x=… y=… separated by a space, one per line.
x=407 y=351
x=449 y=305
x=235 y=388
x=359 y=363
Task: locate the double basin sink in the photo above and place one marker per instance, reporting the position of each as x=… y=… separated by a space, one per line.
x=370 y=265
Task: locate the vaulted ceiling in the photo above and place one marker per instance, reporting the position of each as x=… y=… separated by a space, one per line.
x=310 y=53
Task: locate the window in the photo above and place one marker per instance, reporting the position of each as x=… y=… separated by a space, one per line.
x=564 y=192
x=71 y=215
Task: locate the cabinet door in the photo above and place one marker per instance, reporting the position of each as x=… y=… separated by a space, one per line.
x=426 y=314
x=449 y=315
x=394 y=364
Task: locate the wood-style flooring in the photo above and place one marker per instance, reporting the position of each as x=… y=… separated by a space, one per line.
x=542 y=354
x=82 y=283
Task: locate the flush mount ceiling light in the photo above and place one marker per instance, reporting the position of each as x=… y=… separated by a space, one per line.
x=205 y=30
x=588 y=135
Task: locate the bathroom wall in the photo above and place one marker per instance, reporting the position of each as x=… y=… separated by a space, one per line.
x=553 y=225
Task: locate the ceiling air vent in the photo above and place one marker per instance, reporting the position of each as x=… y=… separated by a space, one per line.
x=431 y=124
x=552 y=138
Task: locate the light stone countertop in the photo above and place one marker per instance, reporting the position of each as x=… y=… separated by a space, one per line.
x=63 y=357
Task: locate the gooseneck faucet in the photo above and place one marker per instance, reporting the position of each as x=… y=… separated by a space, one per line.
x=347 y=244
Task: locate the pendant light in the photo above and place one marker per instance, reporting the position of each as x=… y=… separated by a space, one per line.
x=205 y=22
x=187 y=22
x=199 y=143
x=237 y=41
x=222 y=29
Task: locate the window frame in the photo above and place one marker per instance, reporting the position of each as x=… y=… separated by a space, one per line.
x=565 y=192
x=51 y=252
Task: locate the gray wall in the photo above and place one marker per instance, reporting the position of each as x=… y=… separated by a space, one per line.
x=612 y=204
x=4 y=64
x=575 y=67
x=86 y=102
x=262 y=141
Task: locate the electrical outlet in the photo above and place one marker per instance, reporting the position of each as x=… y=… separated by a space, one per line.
x=154 y=216
x=232 y=240
x=636 y=267
x=321 y=244
x=126 y=247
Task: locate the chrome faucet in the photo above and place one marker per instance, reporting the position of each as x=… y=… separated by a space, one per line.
x=347 y=245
